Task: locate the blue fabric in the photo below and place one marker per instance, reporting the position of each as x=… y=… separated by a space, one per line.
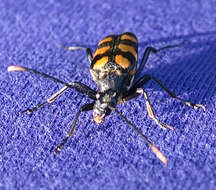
x=109 y=156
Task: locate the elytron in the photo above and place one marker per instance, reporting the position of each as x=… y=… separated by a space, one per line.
x=114 y=69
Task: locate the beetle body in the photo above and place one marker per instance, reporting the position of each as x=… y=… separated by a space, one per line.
x=113 y=69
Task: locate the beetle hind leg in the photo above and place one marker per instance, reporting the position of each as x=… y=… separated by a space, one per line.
x=72 y=48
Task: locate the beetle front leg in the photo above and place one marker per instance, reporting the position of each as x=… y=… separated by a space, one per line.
x=85 y=107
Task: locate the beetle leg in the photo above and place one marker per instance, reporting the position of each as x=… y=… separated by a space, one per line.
x=85 y=107
x=137 y=92
x=151 y=111
x=156 y=150
x=146 y=78
x=78 y=86
x=48 y=101
x=88 y=51
x=128 y=97
x=82 y=88
x=155 y=51
x=131 y=94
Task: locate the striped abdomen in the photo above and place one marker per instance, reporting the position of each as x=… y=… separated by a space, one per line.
x=116 y=55
x=119 y=49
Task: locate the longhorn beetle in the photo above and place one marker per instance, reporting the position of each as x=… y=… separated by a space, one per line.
x=114 y=69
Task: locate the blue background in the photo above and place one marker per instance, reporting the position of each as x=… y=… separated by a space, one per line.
x=109 y=156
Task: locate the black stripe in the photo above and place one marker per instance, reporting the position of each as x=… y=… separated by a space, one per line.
x=130 y=43
x=108 y=53
x=105 y=44
x=112 y=52
x=111 y=55
x=118 y=40
x=127 y=55
x=128 y=52
x=108 y=42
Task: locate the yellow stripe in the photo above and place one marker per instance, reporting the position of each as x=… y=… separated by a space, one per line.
x=101 y=50
x=127 y=48
x=122 y=61
x=108 y=39
x=100 y=63
x=128 y=37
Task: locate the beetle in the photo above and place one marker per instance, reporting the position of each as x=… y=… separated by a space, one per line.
x=114 y=69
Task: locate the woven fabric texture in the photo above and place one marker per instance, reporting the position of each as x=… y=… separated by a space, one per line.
x=108 y=156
